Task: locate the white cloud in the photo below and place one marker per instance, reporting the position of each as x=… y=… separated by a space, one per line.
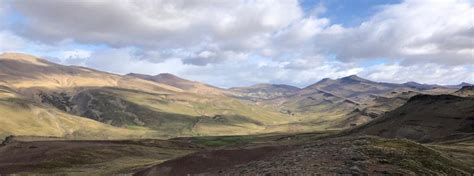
x=10 y=42
x=415 y=31
x=164 y=24
x=230 y=43
x=426 y=73
x=75 y=54
x=124 y=60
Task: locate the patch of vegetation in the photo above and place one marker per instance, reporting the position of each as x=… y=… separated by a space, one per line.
x=58 y=100
x=224 y=141
x=414 y=157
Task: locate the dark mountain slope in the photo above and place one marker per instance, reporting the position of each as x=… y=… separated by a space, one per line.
x=426 y=118
x=466 y=91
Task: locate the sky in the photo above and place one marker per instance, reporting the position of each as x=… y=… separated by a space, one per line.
x=241 y=43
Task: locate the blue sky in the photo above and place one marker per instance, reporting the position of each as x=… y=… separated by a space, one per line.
x=349 y=13
x=239 y=43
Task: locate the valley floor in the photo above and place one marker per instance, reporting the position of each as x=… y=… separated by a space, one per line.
x=277 y=154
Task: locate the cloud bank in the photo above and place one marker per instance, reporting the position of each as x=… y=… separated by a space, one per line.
x=232 y=43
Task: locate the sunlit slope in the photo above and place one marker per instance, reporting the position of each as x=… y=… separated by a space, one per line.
x=21 y=71
x=19 y=116
x=184 y=84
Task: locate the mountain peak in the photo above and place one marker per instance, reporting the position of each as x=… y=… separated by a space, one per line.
x=463 y=84
x=168 y=77
x=354 y=78
x=25 y=58
x=416 y=85
x=166 y=74
x=325 y=80
x=412 y=82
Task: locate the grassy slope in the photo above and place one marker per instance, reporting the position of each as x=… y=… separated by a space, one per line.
x=197 y=114
x=461 y=149
x=23 y=117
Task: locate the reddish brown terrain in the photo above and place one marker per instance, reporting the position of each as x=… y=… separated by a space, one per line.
x=346 y=155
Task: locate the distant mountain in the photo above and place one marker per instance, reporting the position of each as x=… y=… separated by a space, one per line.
x=352 y=86
x=353 y=99
x=184 y=84
x=426 y=118
x=416 y=85
x=459 y=85
x=265 y=91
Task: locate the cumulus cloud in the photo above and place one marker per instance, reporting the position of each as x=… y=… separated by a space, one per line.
x=10 y=42
x=415 y=31
x=164 y=24
x=426 y=73
x=231 y=43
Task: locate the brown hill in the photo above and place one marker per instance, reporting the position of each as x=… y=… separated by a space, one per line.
x=184 y=84
x=21 y=71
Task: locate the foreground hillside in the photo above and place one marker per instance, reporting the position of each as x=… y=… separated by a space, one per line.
x=300 y=154
x=362 y=155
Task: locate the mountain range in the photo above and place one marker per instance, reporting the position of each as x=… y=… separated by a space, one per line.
x=63 y=119
x=166 y=106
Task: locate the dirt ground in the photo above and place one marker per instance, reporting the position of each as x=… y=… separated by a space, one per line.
x=346 y=155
